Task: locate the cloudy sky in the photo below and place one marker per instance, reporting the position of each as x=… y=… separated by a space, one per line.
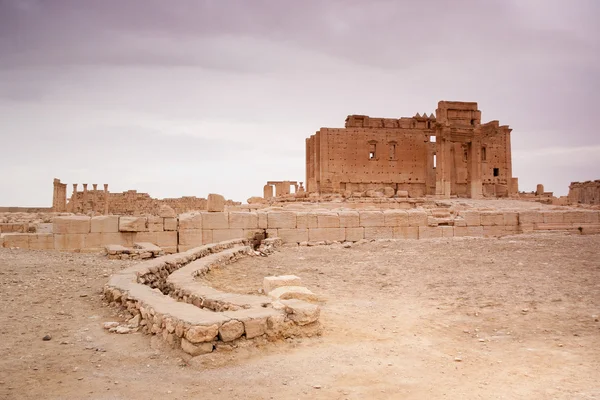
x=189 y=97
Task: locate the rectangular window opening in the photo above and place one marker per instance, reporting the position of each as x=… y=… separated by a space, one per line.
x=432 y=139
x=392 y=151
x=483 y=155
x=496 y=171
x=372 y=149
x=434 y=161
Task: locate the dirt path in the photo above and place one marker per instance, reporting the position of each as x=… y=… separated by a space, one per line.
x=506 y=318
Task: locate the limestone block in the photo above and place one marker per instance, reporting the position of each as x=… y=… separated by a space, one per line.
x=526 y=228
x=170 y=224
x=575 y=217
x=388 y=192
x=150 y=237
x=417 y=218
x=262 y=220
x=271 y=233
x=447 y=231
x=214 y=220
x=395 y=218
x=305 y=220
x=472 y=218
x=231 y=330
x=166 y=239
x=271 y=283
x=250 y=233
x=328 y=220
x=221 y=235
x=196 y=349
x=293 y=235
x=20 y=240
x=243 y=220
x=69 y=241
x=98 y=240
x=41 y=241
x=349 y=219
x=472 y=231
x=530 y=217
x=326 y=234
x=371 y=218
x=199 y=333
x=281 y=219
x=301 y=312
x=402 y=193
x=428 y=232
x=293 y=292
x=460 y=221
x=166 y=212
x=511 y=218
x=355 y=234
x=255 y=327
x=191 y=237
x=492 y=218
x=554 y=226
x=215 y=203
x=493 y=231
x=133 y=224
x=592 y=217
x=190 y=221
x=155 y=224
x=379 y=232
x=405 y=232
x=553 y=217
x=71 y=224
x=105 y=223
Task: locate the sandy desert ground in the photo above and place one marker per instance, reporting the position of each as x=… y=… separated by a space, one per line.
x=509 y=318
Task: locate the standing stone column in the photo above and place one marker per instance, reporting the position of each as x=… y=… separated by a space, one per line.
x=85 y=198
x=94 y=197
x=74 y=199
x=106 y=199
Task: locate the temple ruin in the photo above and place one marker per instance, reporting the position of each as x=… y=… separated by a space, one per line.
x=449 y=154
x=584 y=192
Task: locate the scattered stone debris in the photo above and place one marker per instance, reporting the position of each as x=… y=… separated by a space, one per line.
x=47 y=338
x=140 y=251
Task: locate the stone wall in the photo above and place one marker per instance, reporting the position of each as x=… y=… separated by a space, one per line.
x=187 y=231
x=584 y=192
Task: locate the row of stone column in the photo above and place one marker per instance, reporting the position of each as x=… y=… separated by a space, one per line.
x=74 y=198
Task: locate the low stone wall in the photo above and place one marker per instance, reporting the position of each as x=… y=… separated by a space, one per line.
x=196 y=317
x=187 y=231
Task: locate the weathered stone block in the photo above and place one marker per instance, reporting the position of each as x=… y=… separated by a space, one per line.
x=349 y=219
x=133 y=224
x=379 y=232
x=355 y=234
x=41 y=241
x=530 y=217
x=221 y=235
x=273 y=282
x=428 y=232
x=492 y=218
x=293 y=235
x=472 y=218
x=166 y=239
x=371 y=219
x=301 y=312
x=105 y=223
x=215 y=203
x=447 y=231
x=328 y=220
x=155 y=224
x=243 y=220
x=417 y=218
x=575 y=217
x=231 y=330
x=293 y=292
x=511 y=218
x=214 y=220
x=262 y=220
x=20 y=240
x=166 y=212
x=395 y=218
x=69 y=242
x=473 y=231
x=493 y=231
x=406 y=232
x=190 y=221
x=199 y=333
x=326 y=234
x=281 y=219
x=71 y=224
x=150 y=237
x=98 y=240
x=191 y=237
x=305 y=220
x=170 y=224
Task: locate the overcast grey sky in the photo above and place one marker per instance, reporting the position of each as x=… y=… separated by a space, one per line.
x=189 y=97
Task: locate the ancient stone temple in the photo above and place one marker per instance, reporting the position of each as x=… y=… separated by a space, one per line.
x=449 y=154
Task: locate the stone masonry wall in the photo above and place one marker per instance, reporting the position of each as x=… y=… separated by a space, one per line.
x=81 y=233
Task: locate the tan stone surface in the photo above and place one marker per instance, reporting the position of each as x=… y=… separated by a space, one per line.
x=71 y=224
x=215 y=203
x=105 y=224
x=273 y=282
x=133 y=224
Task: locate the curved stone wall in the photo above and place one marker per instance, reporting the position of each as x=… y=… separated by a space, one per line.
x=188 y=314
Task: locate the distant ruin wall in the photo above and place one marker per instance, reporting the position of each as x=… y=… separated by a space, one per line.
x=82 y=233
x=584 y=192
